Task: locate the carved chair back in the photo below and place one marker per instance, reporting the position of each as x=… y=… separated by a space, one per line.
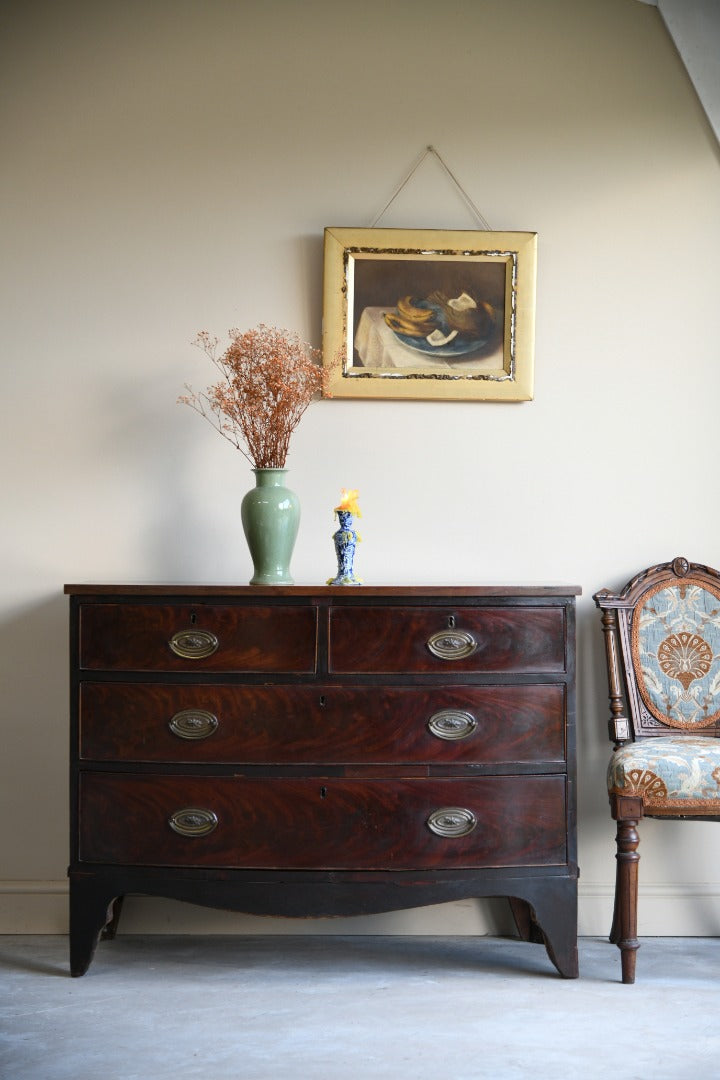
x=662 y=639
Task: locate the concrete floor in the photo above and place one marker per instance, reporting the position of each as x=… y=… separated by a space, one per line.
x=355 y=1008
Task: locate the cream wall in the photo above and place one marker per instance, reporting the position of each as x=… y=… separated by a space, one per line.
x=170 y=166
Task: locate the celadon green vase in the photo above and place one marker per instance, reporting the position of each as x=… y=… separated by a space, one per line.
x=270 y=516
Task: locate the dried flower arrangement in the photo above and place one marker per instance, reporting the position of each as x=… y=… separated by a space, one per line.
x=269 y=377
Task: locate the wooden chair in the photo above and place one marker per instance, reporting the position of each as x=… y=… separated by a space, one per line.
x=662 y=640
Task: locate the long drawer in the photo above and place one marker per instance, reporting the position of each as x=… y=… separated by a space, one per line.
x=318 y=823
x=435 y=640
x=186 y=637
x=321 y=724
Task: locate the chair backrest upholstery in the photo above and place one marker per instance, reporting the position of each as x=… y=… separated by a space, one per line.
x=662 y=637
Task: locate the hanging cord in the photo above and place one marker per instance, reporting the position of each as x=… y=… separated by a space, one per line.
x=466 y=198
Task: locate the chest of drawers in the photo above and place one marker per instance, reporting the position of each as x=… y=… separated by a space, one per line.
x=323 y=751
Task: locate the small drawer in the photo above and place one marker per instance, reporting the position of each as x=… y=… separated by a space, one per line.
x=187 y=637
x=286 y=724
x=406 y=639
x=374 y=824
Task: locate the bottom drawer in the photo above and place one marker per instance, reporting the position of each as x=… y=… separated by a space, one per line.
x=317 y=823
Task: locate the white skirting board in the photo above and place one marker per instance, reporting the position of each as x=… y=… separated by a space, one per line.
x=665 y=910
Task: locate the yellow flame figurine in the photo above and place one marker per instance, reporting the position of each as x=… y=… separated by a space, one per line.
x=346 y=538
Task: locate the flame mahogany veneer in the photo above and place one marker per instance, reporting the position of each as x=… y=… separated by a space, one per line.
x=323 y=751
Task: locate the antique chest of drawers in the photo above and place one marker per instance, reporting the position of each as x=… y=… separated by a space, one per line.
x=323 y=751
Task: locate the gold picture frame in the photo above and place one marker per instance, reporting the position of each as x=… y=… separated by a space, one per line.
x=424 y=313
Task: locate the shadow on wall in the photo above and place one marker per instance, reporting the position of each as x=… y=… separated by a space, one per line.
x=169 y=491
x=308 y=252
x=592 y=708
x=35 y=709
x=34 y=666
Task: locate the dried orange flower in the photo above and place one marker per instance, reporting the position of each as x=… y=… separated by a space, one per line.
x=269 y=377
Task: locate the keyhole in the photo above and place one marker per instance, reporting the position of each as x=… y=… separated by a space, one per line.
x=451 y=622
x=322 y=701
x=193 y=618
x=323 y=792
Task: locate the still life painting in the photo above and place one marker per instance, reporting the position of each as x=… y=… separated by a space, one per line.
x=429 y=314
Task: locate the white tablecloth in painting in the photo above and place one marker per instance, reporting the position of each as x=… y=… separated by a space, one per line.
x=379 y=347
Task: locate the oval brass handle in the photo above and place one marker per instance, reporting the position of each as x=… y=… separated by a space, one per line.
x=452 y=644
x=193 y=644
x=452 y=724
x=192 y=821
x=193 y=724
x=452 y=821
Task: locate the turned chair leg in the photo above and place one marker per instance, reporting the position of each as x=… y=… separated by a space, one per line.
x=624 y=928
x=615 y=930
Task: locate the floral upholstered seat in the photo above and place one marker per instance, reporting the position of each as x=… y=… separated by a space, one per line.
x=662 y=640
x=676 y=773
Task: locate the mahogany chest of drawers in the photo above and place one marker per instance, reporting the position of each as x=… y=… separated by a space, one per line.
x=323 y=751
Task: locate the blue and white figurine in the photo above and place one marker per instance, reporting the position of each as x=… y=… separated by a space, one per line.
x=346 y=539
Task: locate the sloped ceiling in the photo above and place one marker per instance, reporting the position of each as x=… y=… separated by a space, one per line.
x=694 y=26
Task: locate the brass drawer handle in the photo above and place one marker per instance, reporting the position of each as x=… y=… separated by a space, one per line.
x=452 y=724
x=452 y=644
x=193 y=724
x=193 y=644
x=452 y=821
x=193 y=821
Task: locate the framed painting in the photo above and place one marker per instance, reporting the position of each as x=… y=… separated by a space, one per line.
x=429 y=314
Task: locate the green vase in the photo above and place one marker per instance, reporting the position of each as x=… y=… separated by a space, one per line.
x=270 y=516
